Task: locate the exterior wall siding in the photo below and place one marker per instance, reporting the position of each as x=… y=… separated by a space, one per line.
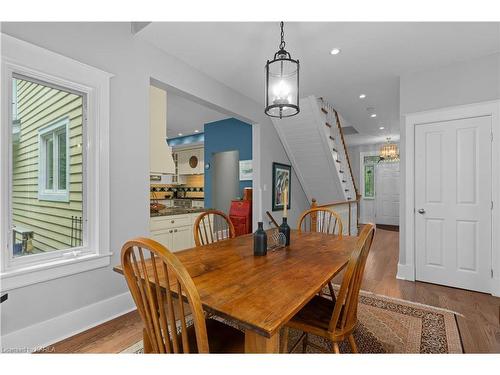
x=38 y=106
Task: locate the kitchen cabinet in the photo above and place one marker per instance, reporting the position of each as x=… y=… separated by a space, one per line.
x=191 y=161
x=175 y=232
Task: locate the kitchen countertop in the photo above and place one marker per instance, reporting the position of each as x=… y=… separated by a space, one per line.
x=169 y=211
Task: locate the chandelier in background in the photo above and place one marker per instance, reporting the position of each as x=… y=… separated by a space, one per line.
x=389 y=151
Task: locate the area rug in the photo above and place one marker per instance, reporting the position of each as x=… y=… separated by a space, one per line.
x=388 y=325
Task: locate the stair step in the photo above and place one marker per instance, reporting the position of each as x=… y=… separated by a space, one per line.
x=341 y=171
x=338 y=161
x=324 y=110
x=327 y=124
x=334 y=150
x=346 y=190
x=344 y=181
x=332 y=138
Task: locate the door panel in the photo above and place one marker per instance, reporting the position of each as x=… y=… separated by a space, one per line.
x=387 y=193
x=452 y=203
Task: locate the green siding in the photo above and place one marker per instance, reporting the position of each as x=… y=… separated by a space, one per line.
x=38 y=106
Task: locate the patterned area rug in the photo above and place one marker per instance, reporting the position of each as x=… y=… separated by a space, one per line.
x=389 y=325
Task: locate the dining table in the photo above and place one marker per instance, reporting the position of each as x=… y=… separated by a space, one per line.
x=260 y=294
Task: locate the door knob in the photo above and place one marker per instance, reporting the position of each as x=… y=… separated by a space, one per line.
x=421 y=211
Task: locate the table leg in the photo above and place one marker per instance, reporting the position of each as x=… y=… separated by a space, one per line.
x=255 y=343
x=146 y=342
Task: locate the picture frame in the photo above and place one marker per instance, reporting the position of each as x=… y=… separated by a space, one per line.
x=282 y=174
x=246 y=170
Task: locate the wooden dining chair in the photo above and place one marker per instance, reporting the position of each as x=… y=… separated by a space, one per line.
x=163 y=292
x=212 y=226
x=321 y=220
x=337 y=320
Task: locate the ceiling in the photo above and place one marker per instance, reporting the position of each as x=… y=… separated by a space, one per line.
x=373 y=56
x=185 y=116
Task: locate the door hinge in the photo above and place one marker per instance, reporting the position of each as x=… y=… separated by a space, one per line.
x=491 y=136
x=491 y=204
x=492 y=273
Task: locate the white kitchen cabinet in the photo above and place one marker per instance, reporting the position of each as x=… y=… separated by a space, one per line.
x=164 y=237
x=183 y=238
x=183 y=158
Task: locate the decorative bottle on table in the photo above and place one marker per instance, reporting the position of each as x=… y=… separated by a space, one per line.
x=260 y=235
x=284 y=227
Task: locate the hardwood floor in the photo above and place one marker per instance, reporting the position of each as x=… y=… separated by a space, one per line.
x=479 y=325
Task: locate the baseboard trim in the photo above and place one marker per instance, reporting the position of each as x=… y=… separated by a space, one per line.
x=405 y=272
x=43 y=334
x=495 y=287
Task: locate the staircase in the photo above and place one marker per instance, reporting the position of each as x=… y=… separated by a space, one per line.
x=315 y=145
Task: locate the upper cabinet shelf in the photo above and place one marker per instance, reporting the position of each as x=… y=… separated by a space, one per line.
x=190 y=161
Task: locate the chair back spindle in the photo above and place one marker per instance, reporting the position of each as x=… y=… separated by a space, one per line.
x=157 y=302
x=212 y=226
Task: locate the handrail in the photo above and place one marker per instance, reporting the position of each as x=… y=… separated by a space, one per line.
x=346 y=153
x=335 y=203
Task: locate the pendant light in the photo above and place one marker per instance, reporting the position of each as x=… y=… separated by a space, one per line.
x=389 y=151
x=282 y=83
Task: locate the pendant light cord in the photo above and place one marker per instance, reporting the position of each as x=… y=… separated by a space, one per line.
x=282 y=43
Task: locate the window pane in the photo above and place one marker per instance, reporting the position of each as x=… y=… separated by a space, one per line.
x=369 y=181
x=61 y=139
x=47 y=169
x=49 y=163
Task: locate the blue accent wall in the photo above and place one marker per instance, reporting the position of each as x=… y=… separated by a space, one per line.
x=226 y=135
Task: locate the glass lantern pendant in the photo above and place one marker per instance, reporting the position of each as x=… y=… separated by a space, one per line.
x=282 y=83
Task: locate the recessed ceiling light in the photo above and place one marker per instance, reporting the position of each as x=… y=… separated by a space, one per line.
x=373 y=115
x=362 y=96
x=335 y=51
x=196 y=131
x=180 y=134
x=381 y=128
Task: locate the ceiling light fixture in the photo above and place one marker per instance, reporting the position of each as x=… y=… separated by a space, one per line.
x=373 y=115
x=282 y=83
x=335 y=51
x=389 y=151
x=180 y=134
x=362 y=96
x=381 y=128
x=196 y=131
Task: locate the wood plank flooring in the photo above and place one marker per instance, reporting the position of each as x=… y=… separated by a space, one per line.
x=479 y=326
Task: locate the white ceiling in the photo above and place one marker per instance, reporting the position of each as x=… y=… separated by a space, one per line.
x=373 y=57
x=185 y=116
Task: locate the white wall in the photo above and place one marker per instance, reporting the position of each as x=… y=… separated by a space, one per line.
x=466 y=82
x=111 y=47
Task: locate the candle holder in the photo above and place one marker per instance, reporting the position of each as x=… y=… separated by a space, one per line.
x=285 y=229
x=260 y=241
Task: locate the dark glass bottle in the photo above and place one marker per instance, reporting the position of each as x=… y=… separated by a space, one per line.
x=285 y=229
x=260 y=241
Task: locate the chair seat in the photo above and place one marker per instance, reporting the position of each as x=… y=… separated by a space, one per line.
x=221 y=338
x=314 y=317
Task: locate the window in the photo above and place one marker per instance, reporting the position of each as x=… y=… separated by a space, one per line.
x=54 y=147
x=53 y=160
x=369 y=163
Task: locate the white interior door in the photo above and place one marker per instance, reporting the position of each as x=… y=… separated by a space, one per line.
x=453 y=203
x=387 y=184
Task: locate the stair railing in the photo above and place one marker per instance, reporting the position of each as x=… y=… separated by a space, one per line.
x=337 y=204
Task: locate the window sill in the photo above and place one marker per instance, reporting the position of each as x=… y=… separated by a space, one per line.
x=28 y=275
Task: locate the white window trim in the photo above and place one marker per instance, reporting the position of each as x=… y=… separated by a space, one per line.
x=54 y=195
x=25 y=59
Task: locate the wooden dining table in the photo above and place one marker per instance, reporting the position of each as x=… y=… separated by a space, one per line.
x=262 y=293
